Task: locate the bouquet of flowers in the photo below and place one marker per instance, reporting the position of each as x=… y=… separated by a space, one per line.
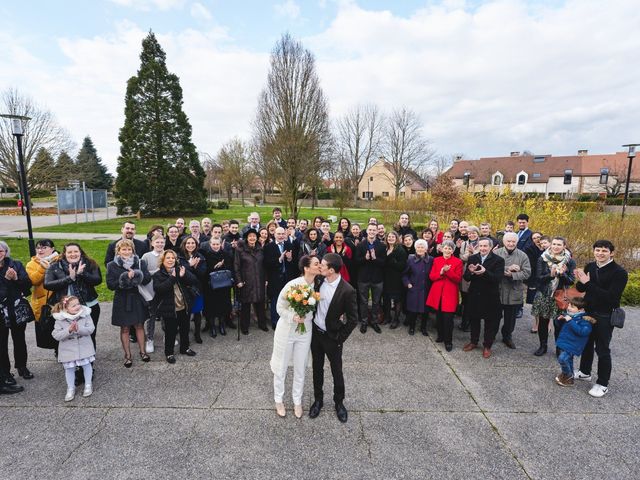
x=302 y=300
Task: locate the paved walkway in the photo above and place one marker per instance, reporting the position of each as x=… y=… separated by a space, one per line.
x=416 y=412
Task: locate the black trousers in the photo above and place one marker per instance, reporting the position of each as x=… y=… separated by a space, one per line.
x=322 y=345
x=509 y=313
x=95 y=316
x=491 y=324
x=445 y=326
x=19 y=346
x=543 y=330
x=245 y=315
x=171 y=326
x=599 y=340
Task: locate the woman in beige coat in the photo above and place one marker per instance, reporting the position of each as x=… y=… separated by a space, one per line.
x=288 y=343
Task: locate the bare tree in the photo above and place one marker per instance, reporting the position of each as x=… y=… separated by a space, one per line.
x=237 y=171
x=407 y=151
x=261 y=167
x=42 y=131
x=291 y=124
x=358 y=138
x=212 y=173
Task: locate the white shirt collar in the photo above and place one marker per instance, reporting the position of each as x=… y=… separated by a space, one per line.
x=335 y=282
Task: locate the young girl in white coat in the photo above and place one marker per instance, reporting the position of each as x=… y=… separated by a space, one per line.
x=73 y=331
x=288 y=343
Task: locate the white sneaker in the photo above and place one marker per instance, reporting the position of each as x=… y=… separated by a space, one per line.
x=578 y=375
x=88 y=390
x=598 y=391
x=149 y=346
x=71 y=394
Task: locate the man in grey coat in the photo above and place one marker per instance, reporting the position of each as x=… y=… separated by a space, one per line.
x=517 y=269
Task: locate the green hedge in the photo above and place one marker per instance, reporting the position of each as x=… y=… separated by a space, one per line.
x=631 y=294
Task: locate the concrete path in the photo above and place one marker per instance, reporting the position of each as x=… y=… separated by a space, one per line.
x=11 y=223
x=416 y=412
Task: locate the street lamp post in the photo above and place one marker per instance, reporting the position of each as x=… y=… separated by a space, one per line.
x=630 y=155
x=17 y=130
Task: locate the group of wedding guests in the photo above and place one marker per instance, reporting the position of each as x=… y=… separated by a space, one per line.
x=397 y=275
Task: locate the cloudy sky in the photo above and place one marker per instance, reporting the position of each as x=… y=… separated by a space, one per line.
x=486 y=77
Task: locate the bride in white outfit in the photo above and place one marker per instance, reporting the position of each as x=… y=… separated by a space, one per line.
x=287 y=343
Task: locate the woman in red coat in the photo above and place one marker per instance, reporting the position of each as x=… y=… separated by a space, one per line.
x=445 y=277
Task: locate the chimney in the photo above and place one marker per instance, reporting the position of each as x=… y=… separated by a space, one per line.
x=515 y=154
x=583 y=152
x=458 y=158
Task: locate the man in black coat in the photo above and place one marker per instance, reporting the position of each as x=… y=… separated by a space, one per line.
x=333 y=322
x=603 y=282
x=485 y=271
x=128 y=231
x=280 y=266
x=370 y=257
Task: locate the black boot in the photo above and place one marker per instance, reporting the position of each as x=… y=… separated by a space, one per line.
x=197 y=325
x=223 y=332
x=396 y=318
x=423 y=326
x=207 y=324
x=412 y=325
x=542 y=349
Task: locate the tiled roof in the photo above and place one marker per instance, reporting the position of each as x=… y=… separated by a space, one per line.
x=582 y=165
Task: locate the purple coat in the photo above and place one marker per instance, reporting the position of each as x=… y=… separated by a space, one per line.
x=417 y=274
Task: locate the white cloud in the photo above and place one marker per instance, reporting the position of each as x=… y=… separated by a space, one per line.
x=288 y=9
x=485 y=81
x=495 y=79
x=200 y=12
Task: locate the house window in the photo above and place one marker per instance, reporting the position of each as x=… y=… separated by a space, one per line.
x=497 y=179
x=385 y=194
x=465 y=178
x=522 y=179
x=367 y=195
x=568 y=175
x=402 y=194
x=538 y=159
x=536 y=175
x=604 y=176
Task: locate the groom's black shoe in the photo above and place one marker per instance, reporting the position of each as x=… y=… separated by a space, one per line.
x=376 y=328
x=314 y=411
x=363 y=328
x=341 y=412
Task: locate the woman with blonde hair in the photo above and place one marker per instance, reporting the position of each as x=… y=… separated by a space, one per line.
x=125 y=273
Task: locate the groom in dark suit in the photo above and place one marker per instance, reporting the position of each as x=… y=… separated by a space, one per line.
x=333 y=322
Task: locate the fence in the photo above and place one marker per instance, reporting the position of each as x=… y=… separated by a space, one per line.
x=81 y=200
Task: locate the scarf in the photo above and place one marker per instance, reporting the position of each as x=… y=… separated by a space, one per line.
x=555 y=260
x=126 y=263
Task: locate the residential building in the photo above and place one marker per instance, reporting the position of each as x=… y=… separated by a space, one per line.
x=571 y=175
x=378 y=181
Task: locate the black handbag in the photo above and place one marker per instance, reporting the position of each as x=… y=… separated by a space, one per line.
x=617 y=317
x=221 y=279
x=44 y=328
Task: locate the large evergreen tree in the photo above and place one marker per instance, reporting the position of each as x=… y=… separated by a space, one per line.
x=90 y=167
x=42 y=173
x=65 y=170
x=158 y=169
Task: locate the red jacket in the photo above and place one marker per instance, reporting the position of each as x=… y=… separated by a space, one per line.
x=444 y=291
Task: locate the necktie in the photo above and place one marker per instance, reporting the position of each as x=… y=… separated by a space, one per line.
x=282 y=266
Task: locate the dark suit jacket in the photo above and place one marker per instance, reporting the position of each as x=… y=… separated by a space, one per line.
x=342 y=315
x=484 y=290
x=140 y=247
x=276 y=278
x=525 y=240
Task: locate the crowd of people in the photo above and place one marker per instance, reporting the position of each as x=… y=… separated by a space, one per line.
x=218 y=276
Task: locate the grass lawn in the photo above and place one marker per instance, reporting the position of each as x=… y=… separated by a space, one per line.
x=234 y=212
x=93 y=248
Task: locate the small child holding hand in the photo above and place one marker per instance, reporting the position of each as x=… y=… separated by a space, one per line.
x=73 y=329
x=573 y=338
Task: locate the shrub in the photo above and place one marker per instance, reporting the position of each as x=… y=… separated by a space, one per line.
x=219 y=205
x=631 y=294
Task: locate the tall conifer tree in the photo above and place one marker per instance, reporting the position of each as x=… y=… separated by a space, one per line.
x=91 y=170
x=159 y=172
